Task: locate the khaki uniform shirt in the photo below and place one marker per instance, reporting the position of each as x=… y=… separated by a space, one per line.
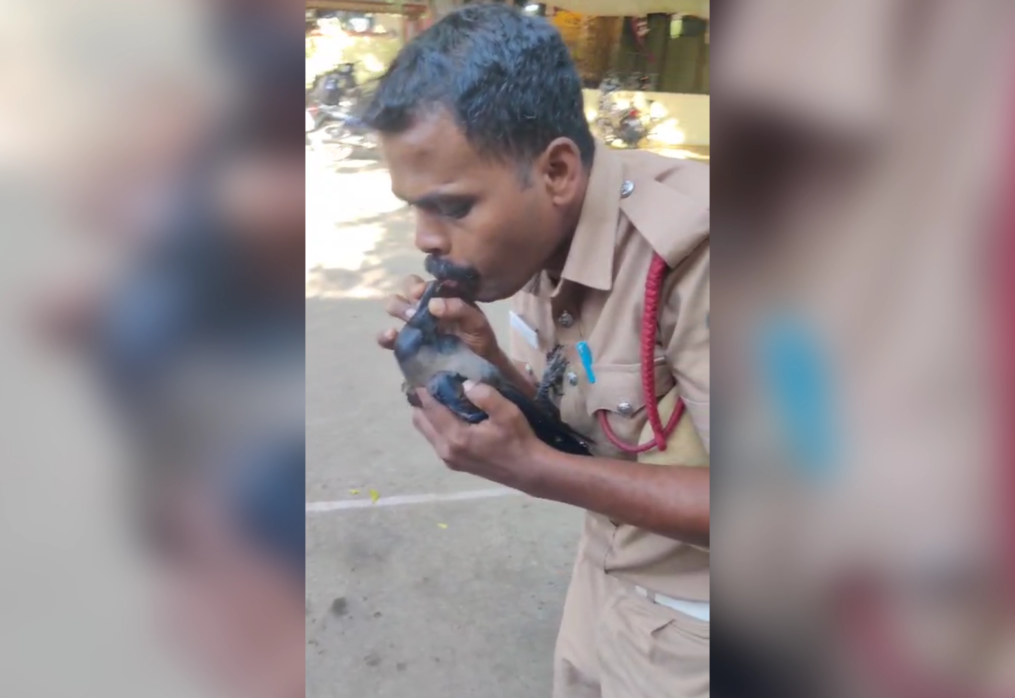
x=637 y=204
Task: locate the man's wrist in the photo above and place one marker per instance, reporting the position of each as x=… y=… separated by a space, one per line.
x=542 y=464
x=501 y=360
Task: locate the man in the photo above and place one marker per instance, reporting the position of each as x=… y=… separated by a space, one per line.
x=482 y=125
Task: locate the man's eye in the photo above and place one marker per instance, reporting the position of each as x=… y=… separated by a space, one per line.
x=457 y=211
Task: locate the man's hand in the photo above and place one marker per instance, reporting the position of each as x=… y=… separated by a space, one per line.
x=502 y=448
x=670 y=500
x=456 y=316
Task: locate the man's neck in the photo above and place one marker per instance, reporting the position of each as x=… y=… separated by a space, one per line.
x=572 y=218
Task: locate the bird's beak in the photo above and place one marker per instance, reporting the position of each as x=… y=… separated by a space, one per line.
x=422 y=319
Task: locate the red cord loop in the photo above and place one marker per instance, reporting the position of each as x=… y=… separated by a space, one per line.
x=653 y=290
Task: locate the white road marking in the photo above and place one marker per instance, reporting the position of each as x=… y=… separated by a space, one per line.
x=401 y=500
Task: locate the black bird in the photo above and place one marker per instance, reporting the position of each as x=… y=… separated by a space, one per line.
x=442 y=363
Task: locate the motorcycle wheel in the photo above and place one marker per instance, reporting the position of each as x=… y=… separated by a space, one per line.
x=631 y=134
x=332 y=142
x=338 y=151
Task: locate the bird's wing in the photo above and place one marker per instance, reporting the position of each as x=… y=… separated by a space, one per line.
x=548 y=428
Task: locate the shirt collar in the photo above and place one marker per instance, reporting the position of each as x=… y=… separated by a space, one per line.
x=590 y=258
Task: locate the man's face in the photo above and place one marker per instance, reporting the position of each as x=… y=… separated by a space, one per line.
x=471 y=211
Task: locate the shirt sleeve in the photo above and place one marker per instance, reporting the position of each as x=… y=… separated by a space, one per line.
x=684 y=324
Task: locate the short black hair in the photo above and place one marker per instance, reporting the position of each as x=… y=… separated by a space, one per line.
x=507 y=78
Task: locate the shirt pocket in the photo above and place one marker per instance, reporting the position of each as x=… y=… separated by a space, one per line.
x=522 y=349
x=619 y=397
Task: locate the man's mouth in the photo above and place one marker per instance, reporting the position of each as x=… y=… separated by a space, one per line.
x=449 y=288
x=453 y=280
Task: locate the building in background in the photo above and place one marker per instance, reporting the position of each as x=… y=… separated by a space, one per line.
x=658 y=51
x=367 y=33
x=653 y=45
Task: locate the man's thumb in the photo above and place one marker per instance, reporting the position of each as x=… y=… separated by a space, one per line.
x=484 y=397
x=451 y=309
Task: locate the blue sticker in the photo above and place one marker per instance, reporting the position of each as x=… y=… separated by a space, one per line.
x=800 y=385
x=585 y=354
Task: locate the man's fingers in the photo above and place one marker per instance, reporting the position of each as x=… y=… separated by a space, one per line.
x=399 y=307
x=439 y=416
x=413 y=287
x=387 y=338
x=457 y=311
x=488 y=399
x=424 y=427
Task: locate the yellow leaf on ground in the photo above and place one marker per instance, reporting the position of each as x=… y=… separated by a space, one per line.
x=442 y=525
x=353 y=492
x=374 y=495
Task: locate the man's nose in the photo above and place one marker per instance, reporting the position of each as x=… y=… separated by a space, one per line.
x=430 y=236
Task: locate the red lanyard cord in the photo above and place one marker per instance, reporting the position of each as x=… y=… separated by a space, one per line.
x=653 y=291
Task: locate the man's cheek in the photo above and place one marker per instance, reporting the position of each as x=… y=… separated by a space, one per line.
x=483 y=246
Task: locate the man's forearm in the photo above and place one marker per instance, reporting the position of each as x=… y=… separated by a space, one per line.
x=672 y=501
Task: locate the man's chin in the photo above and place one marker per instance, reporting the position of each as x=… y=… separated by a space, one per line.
x=494 y=294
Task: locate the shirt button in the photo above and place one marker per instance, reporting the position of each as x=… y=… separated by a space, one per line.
x=625 y=408
x=572 y=378
x=626 y=189
x=566 y=319
x=528 y=369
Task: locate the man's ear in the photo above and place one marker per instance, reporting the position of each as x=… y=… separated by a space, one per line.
x=562 y=171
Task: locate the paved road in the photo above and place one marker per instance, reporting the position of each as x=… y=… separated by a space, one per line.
x=433 y=599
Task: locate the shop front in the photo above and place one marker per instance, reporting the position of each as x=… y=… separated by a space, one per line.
x=656 y=50
x=366 y=33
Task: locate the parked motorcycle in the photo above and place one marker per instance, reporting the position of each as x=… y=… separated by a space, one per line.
x=336 y=132
x=631 y=130
x=624 y=127
x=330 y=123
x=619 y=127
x=336 y=86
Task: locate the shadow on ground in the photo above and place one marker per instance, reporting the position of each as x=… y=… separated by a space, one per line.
x=389 y=259
x=443 y=600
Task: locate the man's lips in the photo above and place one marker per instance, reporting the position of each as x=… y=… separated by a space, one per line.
x=452 y=280
x=449 y=288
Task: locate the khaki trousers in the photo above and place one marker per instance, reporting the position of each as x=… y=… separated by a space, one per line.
x=615 y=643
